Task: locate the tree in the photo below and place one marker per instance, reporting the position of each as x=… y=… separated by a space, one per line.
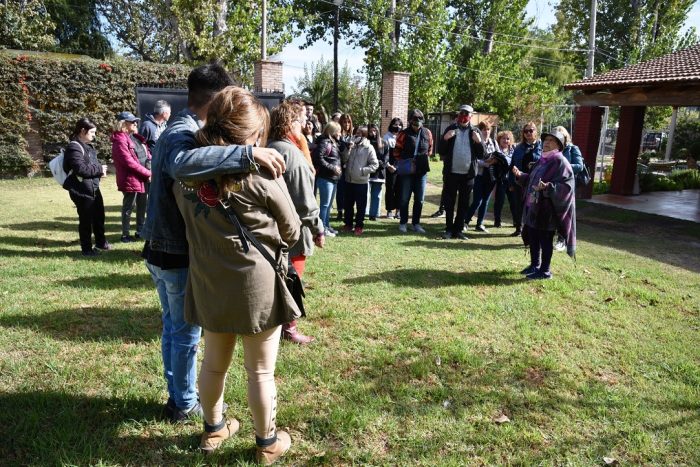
x=78 y=28
x=24 y=25
x=625 y=33
x=194 y=31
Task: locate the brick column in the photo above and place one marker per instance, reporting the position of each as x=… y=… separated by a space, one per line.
x=395 y=85
x=268 y=77
x=629 y=135
x=587 y=137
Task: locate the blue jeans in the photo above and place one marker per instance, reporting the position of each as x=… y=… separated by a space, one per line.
x=180 y=339
x=375 y=196
x=503 y=192
x=483 y=186
x=412 y=184
x=326 y=188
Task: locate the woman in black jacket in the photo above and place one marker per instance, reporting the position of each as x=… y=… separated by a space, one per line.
x=83 y=184
x=376 y=179
x=326 y=158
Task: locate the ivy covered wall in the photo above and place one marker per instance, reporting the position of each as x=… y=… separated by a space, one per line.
x=44 y=95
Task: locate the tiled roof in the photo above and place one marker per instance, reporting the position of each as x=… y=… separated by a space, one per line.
x=677 y=67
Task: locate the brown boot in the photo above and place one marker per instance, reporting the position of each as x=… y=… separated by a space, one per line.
x=290 y=333
x=267 y=455
x=215 y=435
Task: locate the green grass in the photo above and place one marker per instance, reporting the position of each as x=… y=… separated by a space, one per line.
x=421 y=344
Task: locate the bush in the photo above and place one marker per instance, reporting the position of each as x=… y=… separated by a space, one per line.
x=680 y=180
x=55 y=91
x=601 y=188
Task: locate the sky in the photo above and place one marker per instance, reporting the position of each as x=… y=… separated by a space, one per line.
x=294 y=58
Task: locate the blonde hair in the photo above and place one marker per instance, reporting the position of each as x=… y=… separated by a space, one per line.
x=331 y=128
x=522 y=132
x=502 y=134
x=120 y=125
x=233 y=116
x=562 y=130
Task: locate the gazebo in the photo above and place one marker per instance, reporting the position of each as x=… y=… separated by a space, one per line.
x=671 y=80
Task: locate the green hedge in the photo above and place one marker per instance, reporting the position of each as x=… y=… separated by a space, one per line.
x=56 y=91
x=678 y=180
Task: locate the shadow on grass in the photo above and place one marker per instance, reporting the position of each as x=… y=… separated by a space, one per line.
x=111 y=225
x=36 y=242
x=664 y=239
x=471 y=244
x=435 y=278
x=111 y=281
x=51 y=428
x=114 y=256
x=96 y=324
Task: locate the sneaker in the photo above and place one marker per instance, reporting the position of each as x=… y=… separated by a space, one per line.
x=402 y=228
x=358 y=231
x=390 y=215
x=93 y=252
x=214 y=436
x=267 y=455
x=516 y=233
x=560 y=246
x=106 y=246
x=137 y=236
x=460 y=236
x=332 y=230
x=466 y=228
x=418 y=229
x=127 y=239
x=347 y=228
x=496 y=225
x=438 y=213
x=177 y=415
x=328 y=233
x=447 y=235
x=481 y=228
x=539 y=275
x=528 y=270
x=373 y=218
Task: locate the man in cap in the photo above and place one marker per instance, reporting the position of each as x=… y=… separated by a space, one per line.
x=414 y=145
x=460 y=148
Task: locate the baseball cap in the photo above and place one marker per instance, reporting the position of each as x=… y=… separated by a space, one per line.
x=127 y=117
x=466 y=108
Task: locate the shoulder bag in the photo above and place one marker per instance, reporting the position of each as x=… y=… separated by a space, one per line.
x=290 y=279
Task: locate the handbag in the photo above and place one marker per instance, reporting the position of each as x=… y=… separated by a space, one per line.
x=408 y=166
x=583 y=178
x=290 y=279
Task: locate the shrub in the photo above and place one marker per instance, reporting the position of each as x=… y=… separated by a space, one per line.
x=55 y=91
x=679 y=180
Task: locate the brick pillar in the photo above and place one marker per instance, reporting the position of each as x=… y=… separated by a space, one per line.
x=629 y=135
x=587 y=137
x=268 y=77
x=394 y=97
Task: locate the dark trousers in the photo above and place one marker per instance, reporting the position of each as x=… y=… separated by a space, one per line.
x=355 y=194
x=482 y=194
x=457 y=189
x=541 y=248
x=502 y=192
x=442 y=193
x=517 y=205
x=91 y=219
x=392 y=196
x=131 y=200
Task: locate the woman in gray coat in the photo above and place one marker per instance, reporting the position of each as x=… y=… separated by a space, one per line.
x=231 y=291
x=287 y=121
x=360 y=163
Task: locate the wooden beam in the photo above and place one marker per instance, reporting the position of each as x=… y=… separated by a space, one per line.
x=681 y=96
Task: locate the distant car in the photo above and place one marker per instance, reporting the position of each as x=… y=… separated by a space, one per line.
x=652 y=141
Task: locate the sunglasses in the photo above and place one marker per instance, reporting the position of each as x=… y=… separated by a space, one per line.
x=528 y=130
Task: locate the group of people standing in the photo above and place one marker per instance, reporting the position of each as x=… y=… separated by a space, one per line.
x=232 y=212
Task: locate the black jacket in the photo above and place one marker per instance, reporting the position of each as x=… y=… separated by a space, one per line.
x=445 y=149
x=87 y=170
x=382 y=157
x=326 y=158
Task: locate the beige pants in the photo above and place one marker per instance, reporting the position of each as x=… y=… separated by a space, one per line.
x=259 y=357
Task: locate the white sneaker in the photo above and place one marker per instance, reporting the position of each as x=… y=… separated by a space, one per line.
x=560 y=246
x=402 y=228
x=328 y=233
x=418 y=229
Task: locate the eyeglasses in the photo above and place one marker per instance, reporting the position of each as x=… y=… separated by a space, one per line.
x=528 y=130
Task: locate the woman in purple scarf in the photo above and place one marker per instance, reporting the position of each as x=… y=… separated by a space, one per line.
x=549 y=206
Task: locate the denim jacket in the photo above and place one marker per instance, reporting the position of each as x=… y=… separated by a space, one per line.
x=177 y=157
x=572 y=153
x=519 y=154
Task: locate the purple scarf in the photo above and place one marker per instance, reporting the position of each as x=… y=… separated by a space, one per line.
x=554 y=206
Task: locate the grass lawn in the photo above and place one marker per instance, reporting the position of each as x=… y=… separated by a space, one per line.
x=422 y=344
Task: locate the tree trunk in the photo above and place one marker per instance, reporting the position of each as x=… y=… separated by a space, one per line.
x=172 y=20
x=488 y=41
x=220 y=26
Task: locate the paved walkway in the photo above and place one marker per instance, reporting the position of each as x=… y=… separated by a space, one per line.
x=677 y=204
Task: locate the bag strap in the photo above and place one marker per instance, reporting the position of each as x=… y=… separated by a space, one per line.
x=246 y=236
x=415 y=151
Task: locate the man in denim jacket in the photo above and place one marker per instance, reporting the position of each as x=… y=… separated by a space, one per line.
x=176 y=157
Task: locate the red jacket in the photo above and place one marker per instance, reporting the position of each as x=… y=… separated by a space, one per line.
x=131 y=175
